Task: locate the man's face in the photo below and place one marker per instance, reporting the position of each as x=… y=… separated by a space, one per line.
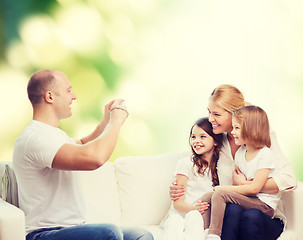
x=63 y=96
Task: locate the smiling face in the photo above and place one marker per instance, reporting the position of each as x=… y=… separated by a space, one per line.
x=201 y=142
x=63 y=95
x=237 y=132
x=219 y=118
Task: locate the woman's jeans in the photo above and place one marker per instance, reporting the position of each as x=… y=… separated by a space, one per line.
x=251 y=224
x=90 y=232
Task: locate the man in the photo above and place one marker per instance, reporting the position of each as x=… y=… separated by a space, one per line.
x=45 y=160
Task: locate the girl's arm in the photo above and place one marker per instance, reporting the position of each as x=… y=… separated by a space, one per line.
x=269 y=187
x=250 y=189
x=180 y=205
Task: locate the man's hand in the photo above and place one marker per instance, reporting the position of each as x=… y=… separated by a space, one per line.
x=176 y=191
x=107 y=111
x=118 y=111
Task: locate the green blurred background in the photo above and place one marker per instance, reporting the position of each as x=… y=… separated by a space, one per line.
x=163 y=56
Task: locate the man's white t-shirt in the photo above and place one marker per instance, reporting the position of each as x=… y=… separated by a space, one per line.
x=48 y=197
x=264 y=159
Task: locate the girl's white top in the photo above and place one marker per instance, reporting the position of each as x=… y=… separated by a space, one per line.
x=265 y=159
x=284 y=177
x=197 y=184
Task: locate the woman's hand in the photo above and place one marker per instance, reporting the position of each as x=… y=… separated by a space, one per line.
x=201 y=206
x=176 y=191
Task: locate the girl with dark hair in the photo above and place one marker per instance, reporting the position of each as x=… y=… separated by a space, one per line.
x=198 y=174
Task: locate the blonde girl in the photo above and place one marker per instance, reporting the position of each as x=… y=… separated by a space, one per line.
x=255 y=160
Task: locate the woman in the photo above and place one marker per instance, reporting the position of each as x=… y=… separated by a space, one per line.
x=239 y=223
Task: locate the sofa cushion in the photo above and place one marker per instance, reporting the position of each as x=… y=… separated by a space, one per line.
x=143 y=184
x=101 y=195
x=9 y=189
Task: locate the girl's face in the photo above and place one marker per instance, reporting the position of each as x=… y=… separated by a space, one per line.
x=236 y=132
x=219 y=118
x=201 y=142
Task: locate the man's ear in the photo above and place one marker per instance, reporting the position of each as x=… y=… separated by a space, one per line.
x=48 y=96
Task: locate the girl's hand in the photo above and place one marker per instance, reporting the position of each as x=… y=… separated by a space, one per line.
x=201 y=206
x=176 y=191
x=238 y=177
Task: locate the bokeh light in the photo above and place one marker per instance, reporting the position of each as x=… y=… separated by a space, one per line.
x=164 y=57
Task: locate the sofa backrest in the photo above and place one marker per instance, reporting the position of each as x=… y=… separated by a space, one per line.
x=100 y=192
x=143 y=186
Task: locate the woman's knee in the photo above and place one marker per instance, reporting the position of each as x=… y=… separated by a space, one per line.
x=252 y=216
x=234 y=210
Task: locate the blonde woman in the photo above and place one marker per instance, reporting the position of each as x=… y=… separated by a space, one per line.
x=240 y=223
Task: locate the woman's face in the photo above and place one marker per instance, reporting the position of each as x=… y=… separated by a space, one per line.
x=220 y=119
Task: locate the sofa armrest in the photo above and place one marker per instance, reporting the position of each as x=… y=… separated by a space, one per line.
x=293 y=208
x=12 y=222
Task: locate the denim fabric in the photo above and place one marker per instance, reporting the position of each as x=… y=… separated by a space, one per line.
x=90 y=232
x=251 y=224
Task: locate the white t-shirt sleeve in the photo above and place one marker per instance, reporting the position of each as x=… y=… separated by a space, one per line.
x=41 y=150
x=184 y=167
x=267 y=159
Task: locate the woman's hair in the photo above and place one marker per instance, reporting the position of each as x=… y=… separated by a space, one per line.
x=199 y=160
x=254 y=125
x=40 y=82
x=228 y=97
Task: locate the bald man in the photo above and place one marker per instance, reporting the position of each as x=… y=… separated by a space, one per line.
x=45 y=159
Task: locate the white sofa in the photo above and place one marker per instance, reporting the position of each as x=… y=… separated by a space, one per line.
x=134 y=191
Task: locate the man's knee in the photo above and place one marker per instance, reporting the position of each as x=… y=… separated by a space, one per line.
x=104 y=231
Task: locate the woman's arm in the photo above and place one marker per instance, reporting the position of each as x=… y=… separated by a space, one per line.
x=285 y=178
x=176 y=191
x=250 y=189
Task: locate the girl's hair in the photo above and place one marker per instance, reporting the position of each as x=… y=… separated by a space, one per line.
x=228 y=97
x=199 y=160
x=254 y=125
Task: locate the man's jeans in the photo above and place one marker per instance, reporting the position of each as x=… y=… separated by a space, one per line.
x=90 y=232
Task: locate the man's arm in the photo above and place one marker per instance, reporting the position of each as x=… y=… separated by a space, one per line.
x=100 y=128
x=96 y=152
